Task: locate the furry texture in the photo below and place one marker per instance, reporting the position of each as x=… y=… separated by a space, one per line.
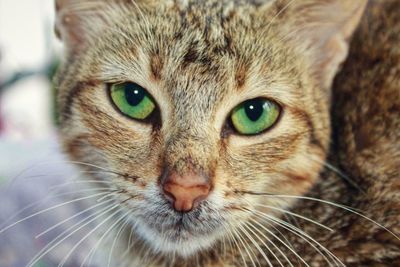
x=199 y=59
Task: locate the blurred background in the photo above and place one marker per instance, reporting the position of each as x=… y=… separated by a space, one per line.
x=28 y=52
x=31 y=164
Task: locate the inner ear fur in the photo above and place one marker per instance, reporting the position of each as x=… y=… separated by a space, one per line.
x=322 y=30
x=79 y=20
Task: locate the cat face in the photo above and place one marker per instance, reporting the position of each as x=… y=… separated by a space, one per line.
x=195 y=161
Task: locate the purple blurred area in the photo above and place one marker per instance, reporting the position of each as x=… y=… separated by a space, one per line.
x=32 y=168
x=43 y=180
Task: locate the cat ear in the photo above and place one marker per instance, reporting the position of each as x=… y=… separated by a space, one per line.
x=322 y=30
x=76 y=21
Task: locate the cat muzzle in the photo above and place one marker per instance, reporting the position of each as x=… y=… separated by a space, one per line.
x=185 y=192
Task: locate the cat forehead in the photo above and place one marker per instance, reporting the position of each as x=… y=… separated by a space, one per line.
x=196 y=60
x=193 y=43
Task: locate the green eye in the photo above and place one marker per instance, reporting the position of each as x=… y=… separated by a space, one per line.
x=254 y=116
x=132 y=100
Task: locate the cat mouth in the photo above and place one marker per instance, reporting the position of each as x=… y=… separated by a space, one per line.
x=181 y=226
x=182 y=233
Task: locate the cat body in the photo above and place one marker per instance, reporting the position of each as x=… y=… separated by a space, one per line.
x=273 y=198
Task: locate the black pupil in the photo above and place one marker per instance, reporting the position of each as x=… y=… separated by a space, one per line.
x=134 y=94
x=254 y=109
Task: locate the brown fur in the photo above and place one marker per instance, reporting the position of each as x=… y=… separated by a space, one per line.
x=199 y=59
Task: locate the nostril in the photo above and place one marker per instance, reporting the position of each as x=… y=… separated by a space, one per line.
x=167 y=192
x=185 y=191
x=185 y=198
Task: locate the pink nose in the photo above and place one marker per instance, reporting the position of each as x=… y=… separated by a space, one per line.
x=187 y=191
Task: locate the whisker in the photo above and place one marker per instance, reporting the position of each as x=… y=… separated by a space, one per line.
x=72 y=217
x=123 y=225
x=131 y=243
x=197 y=260
x=349 y=209
x=275 y=228
x=224 y=245
x=36 y=204
x=303 y=234
x=113 y=193
x=281 y=223
x=93 y=250
x=55 y=242
x=149 y=258
x=256 y=244
x=242 y=240
x=64 y=260
x=79 y=174
x=141 y=14
x=279 y=13
x=52 y=163
x=49 y=209
x=172 y=263
x=249 y=225
x=296 y=215
x=79 y=182
x=229 y=237
x=338 y=172
x=77 y=192
x=274 y=245
x=298 y=233
x=232 y=238
x=92 y=165
x=280 y=240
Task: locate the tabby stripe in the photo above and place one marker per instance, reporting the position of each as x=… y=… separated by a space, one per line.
x=66 y=110
x=156 y=66
x=304 y=116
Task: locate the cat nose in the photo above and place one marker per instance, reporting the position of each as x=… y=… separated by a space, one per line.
x=186 y=191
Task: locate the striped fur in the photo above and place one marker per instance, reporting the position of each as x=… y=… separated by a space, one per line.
x=199 y=59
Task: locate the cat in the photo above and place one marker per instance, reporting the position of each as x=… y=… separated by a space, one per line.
x=209 y=123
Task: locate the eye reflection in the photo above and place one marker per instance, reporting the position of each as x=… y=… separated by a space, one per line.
x=132 y=100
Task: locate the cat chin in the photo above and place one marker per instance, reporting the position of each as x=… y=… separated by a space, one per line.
x=178 y=242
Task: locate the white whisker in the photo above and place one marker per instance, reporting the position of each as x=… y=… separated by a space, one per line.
x=256 y=244
x=280 y=240
x=232 y=237
x=351 y=210
x=300 y=234
x=297 y=215
x=55 y=242
x=130 y=243
x=249 y=226
x=123 y=225
x=95 y=247
x=279 y=13
x=64 y=260
x=241 y=240
x=52 y=163
x=36 y=204
x=80 y=182
x=49 y=209
x=72 y=217
x=339 y=172
x=113 y=193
